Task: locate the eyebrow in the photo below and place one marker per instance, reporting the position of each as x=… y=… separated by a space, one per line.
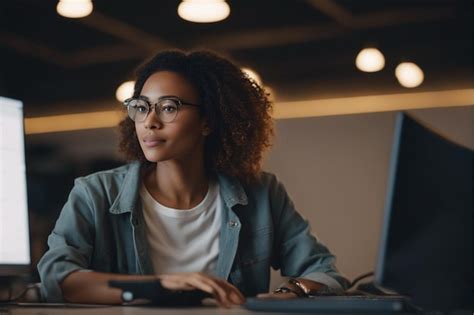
x=159 y=98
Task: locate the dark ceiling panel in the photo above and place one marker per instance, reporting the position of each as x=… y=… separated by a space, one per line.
x=367 y=6
x=297 y=49
x=39 y=22
x=160 y=18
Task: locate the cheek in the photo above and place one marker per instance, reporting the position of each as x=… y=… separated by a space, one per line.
x=140 y=129
x=189 y=136
x=139 y=132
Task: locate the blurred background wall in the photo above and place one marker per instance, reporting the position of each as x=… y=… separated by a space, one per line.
x=334 y=120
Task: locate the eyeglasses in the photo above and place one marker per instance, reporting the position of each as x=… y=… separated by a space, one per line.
x=166 y=108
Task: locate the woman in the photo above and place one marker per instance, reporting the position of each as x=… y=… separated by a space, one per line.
x=193 y=207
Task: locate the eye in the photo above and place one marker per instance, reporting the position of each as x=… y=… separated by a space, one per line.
x=141 y=108
x=168 y=107
x=138 y=105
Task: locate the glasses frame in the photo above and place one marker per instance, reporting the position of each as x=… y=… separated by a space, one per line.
x=177 y=100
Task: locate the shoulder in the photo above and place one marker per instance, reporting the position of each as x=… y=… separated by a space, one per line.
x=266 y=188
x=113 y=176
x=109 y=184
x=266 y=181
x=115 y=188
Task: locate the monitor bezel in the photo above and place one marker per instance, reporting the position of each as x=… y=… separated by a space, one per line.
x=397 y=136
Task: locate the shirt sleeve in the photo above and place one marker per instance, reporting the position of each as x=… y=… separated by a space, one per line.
x=70 y=243
x=298 y=253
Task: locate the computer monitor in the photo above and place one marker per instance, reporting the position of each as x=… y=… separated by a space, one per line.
x=15 y=256
x=426 y=246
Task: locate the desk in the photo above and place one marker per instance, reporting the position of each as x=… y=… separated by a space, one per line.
x=123 y=310
x=136 y=310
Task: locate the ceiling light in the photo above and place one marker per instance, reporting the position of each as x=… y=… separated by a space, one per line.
x=252 y=75
x=409 y=74
x=370 y=60
x=74 y=8
x=124 y=91
x=203 y=11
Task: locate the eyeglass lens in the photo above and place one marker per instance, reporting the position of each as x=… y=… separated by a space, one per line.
x=165 y=109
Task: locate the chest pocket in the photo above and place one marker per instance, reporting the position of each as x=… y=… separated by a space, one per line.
x=255 y=246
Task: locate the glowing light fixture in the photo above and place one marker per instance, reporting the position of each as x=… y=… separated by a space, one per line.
x=124 y=91
x=203 y=11
x=409 y=74
x=74 y=8
x=370 y=60
x=253 y=75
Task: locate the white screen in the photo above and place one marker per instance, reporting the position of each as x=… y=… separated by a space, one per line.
x=14 y=228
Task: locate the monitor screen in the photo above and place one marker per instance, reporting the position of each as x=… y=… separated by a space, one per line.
x=14 y=226
x=426 y=248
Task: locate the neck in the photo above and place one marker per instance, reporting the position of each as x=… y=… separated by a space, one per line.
x=178 y=184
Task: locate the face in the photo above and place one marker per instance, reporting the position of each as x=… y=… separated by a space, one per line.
x=181 y=139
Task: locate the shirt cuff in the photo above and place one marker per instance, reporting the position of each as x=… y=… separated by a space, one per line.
x=325 y=279
x=50 y=287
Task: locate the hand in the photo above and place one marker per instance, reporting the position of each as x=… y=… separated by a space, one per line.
x=225 y=293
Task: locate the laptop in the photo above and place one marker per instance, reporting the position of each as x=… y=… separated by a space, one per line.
x=425 y=251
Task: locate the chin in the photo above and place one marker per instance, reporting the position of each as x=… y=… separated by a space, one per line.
x=156 y=157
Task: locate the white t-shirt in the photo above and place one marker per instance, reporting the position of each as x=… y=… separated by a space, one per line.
x=183 y=240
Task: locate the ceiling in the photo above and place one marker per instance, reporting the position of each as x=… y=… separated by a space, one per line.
x=301 y=48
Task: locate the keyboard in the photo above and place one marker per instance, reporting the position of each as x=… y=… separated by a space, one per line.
x=349 y=303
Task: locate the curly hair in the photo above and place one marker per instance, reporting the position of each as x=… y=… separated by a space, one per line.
x=237 y=109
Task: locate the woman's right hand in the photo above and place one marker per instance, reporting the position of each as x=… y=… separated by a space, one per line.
x=225 y=293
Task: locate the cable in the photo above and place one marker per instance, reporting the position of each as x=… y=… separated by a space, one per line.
x=363 y=276
x=12 y=298
x=19 y=296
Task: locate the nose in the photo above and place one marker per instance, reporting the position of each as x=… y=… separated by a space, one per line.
x=152 y=121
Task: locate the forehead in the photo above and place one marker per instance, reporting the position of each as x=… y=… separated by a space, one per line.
x=169 y=83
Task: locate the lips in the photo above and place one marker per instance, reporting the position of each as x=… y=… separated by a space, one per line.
x=153 y=141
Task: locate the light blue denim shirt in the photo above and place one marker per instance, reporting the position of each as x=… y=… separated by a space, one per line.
x=101 y=228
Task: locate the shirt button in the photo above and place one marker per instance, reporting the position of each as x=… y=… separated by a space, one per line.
x=233 y=224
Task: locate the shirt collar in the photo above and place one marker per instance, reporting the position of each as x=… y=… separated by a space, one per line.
x=128 y=194
x=231 y=190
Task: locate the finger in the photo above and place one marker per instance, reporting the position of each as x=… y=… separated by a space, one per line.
x=219 y=292
x=181 y=282
x=200 y=283
x=194 y=281
x=226 y=293
x=175 y=284
x=234 y=294
x=237 y=298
